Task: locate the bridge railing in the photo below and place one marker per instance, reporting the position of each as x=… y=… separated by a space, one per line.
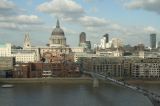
x=153 y=97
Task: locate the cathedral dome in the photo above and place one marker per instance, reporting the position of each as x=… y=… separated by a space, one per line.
x=57 y=38
x=58 y=31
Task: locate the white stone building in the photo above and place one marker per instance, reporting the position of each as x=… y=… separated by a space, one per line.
x=21 y=55
x=78 y=49
x=24 y=56
x=5 y=50
x=116 y=43
x=113 y=43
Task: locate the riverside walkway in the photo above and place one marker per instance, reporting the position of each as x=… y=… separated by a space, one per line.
x=153 y=97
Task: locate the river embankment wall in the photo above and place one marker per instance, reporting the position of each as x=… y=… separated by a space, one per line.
x=83 y=80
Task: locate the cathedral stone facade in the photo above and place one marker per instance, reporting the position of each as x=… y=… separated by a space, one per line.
x=57 y=38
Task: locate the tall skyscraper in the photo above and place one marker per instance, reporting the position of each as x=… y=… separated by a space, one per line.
x=159 y=44
x=88 y=44
x=82 y=38
x=153 y=41
x=107 y=37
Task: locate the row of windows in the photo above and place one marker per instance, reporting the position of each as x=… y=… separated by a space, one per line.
x=25 y=58
x=5 y=53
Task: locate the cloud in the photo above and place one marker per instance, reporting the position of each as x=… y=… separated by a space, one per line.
x=94 y=10
x=14 y=18
x=148 y=5
x=66 y=9
x=89 y=21
x=20 y=22
x=69 y=31
x=22 y=27
x=8 y=8
x=28 y=19
x=70 y=11
x=6 y=25
x=150 y=29
x=29 y=2
x=88 y=1
x=5 y=4
x=62 y=8
x=22 y=19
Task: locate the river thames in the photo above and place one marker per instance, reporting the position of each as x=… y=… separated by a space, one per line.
x=73 y=95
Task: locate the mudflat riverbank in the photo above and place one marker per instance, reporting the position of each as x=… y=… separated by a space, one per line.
x=47 y=80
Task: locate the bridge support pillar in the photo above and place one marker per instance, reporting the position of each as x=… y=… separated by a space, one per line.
x=95 y=83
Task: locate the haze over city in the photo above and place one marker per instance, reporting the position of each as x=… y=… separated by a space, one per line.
x=130 y=20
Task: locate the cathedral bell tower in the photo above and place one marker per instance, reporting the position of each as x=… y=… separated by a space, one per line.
x=27 y=43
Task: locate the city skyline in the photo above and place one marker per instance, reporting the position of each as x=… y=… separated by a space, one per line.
x=130 y=20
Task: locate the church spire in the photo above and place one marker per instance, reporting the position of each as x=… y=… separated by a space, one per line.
x=58 y=25
x=27 y=43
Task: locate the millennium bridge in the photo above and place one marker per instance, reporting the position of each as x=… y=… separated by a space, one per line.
x=153 y=97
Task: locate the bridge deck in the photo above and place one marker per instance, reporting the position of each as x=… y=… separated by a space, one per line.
x=153 y=97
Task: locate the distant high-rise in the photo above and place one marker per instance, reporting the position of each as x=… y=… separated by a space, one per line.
x=153 y=41
x=159 y=44
x=82 y=38
x=82 y=41
x=107 y=37
x=88 y=44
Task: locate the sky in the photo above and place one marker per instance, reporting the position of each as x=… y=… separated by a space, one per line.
x=132 y=21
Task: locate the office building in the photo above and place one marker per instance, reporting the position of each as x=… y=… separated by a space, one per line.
x=107 y=37
x=153 y=41
x=82 y=38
